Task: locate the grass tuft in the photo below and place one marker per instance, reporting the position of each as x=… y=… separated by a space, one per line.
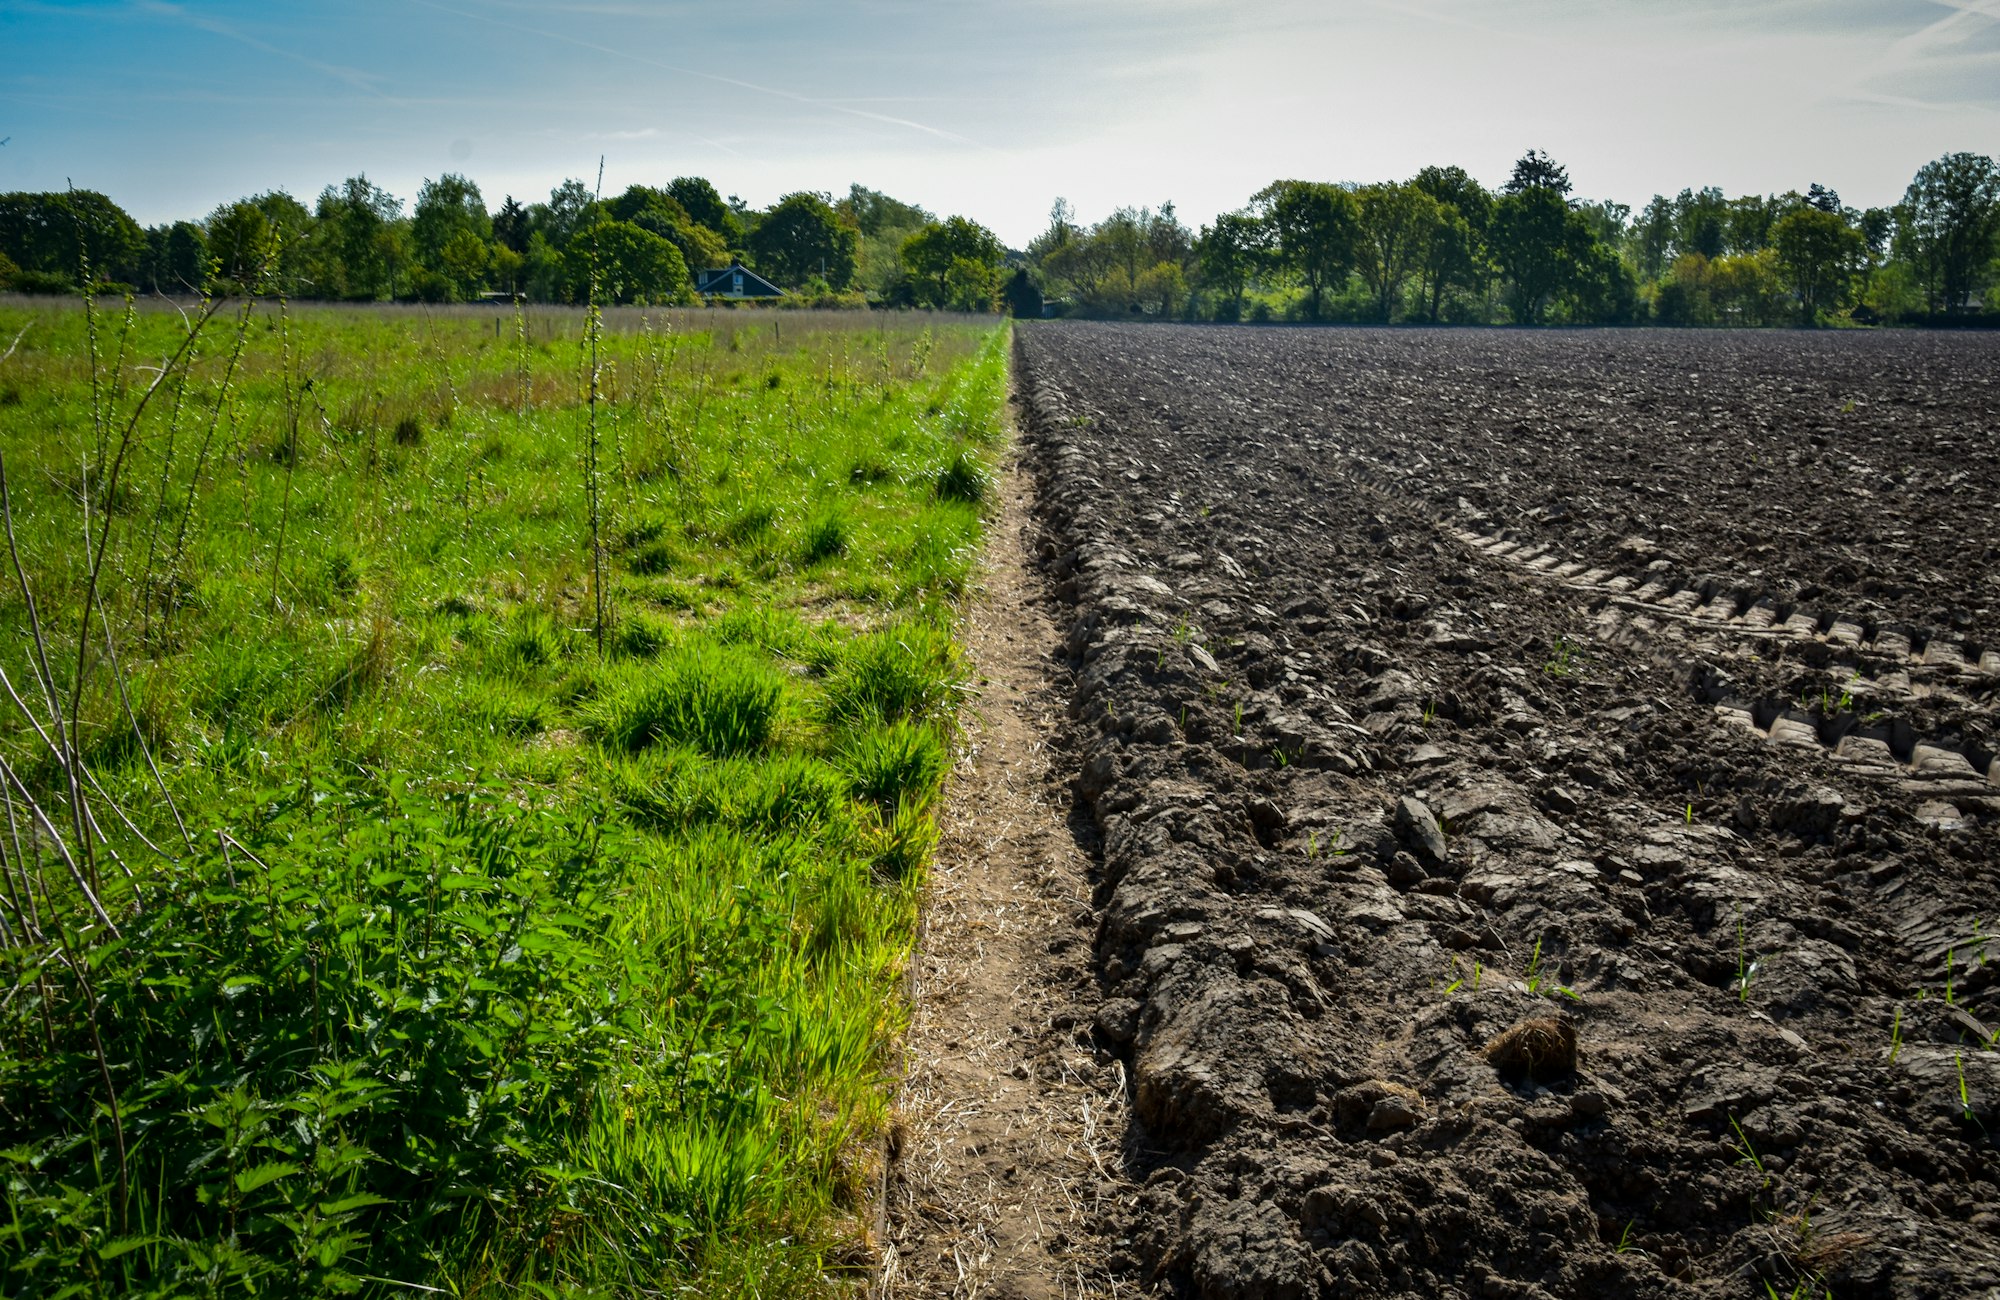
x=715 y=700
x=907 y=672
x=962 y=479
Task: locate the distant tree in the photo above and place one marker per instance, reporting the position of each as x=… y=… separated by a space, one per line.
x=1161 y=290
x=56 y=233
x=662 y=214
x=702 y=203
x=1878 y=226
x=464 y=260
x=511 y=225
x=1454 y=254
x=569 y=209
x=1653 y=237
x=353 y=220
x=1746 y=222
x=1541 y=245
x=175 y=260
x=873 y=213
x=447 y=208
x=1393 y=230
x=802 y=237
x=259 y=243
x=1947 y=225
x=1062 y=229
x=1229 y=253
x=1701 y=222
x=933 y=254
x=1535 y=170
x=1822 y=197
x=1314 y=228
x=630 y=264
x=1819 y=255
x=183 y=266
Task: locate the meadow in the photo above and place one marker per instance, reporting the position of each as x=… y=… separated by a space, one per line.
x=469 y=779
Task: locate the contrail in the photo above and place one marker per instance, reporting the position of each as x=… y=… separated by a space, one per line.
x=352 y=76
x=708 y=76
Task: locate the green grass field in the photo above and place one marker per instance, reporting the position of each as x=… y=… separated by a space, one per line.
x=407 y=884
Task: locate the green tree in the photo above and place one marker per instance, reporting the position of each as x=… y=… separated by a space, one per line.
x=1653 y=237
x=570 y=208
x=245 y=244
x=1229 y=253
x=176 y=260
x=931 y=255
x=1947 y=225
x=511 y=226
x=464 y=260
x=701 y=202
x=446 y=208
x=1314 y=228
x=802 y=237
x=631 y=264
x=662 y=214
x=1701 y=222
x=874 y=213
x=353 y=218
x=1541 y=246
x=1818 y=257
x=1394 y=229
x=57 y=233
x=1535 y=170
x=1454 y=255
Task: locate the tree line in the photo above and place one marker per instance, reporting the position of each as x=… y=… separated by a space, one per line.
x=1441 y=248
x=1437 y=248
x=358 y=244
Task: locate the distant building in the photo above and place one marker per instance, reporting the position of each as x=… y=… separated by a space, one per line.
x=735 y=281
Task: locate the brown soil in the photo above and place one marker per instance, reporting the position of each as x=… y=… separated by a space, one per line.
x=1548 y=840
x=1011 y=1119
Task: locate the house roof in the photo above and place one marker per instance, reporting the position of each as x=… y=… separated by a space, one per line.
x=735 y=281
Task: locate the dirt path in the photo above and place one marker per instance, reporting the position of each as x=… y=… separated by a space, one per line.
x=1011 y=1119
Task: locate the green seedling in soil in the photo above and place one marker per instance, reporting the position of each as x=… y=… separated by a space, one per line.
x=1536 y=979
x=1237 y=718
x=1744 y=972
x=1564 y=661
x=1964 y=1094
x=1896 y=1035
x=1280 y=757
x=1690 y=812
x=1184 y=719
x=1183 y=633
x=1747 y=1154
x=1430 y=713
x=1625 y=1239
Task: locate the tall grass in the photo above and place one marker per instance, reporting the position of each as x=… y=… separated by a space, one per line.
x=367 y=922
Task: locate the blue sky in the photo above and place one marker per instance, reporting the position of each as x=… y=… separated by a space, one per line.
x=989 y=109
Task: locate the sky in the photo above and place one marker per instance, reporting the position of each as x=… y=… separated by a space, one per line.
x=986 y=108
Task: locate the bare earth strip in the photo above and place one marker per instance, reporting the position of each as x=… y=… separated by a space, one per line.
x=1010 y=1119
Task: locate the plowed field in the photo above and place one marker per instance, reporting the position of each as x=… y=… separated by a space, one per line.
x=1548 y=840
